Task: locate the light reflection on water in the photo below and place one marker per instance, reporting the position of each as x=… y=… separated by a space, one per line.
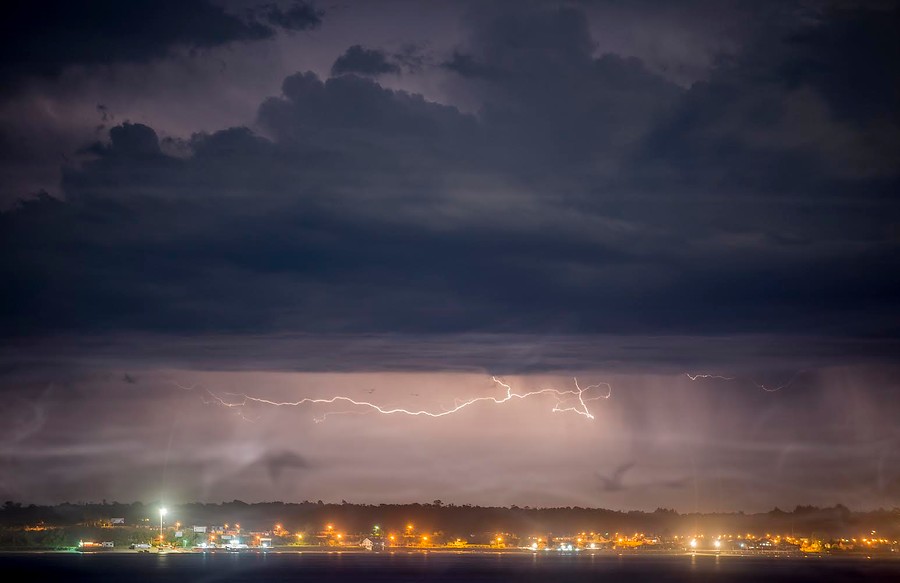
x=398 y=568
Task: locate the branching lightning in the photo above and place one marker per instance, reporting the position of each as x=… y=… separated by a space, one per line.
x=567 y=401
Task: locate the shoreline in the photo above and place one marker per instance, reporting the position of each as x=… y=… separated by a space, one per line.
x=465 y=552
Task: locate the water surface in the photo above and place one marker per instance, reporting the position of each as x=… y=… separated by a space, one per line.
x=403 y=567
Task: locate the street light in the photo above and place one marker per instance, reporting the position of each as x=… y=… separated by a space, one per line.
x=162 y=512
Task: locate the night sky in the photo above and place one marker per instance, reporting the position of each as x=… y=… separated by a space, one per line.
x=394 y=201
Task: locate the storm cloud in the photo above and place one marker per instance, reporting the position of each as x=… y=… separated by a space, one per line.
x=539 y=203
x=588 y=195
x=43 y=38
x=363 y=61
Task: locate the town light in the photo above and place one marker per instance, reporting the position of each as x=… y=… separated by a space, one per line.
x=162 y=512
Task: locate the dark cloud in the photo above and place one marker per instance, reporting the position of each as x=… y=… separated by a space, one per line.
x=300 y=15
x=586 y=213
x=133 y=141
x=363 y=61
x=789 y=118
x=467 y=66
x=551 y=104
x=849 y=54
x=413 y=58
x=277 y=464
x=614 y=482
x=589 y=195
x=310 y=109
x=42 y=38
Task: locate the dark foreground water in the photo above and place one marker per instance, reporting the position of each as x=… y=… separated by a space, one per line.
x=397 y=568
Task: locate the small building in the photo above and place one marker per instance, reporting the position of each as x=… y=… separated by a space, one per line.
x=374 y=543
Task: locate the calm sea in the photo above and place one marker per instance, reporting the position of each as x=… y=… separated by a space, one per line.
x=398 y=568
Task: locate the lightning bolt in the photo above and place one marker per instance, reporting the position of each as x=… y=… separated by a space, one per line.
x=701 y=376
x=779 y=387
x=209 y=398
x=694 y=377
x=578 y=397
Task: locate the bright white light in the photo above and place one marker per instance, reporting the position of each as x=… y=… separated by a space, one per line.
x=163 y=511
x=693 y=543
x=718 y=544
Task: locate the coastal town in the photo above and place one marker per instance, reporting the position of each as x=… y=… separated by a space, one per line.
x=233 y=538
x=178 y=530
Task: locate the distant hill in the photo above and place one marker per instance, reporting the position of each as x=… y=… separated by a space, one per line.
x=465 y=520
